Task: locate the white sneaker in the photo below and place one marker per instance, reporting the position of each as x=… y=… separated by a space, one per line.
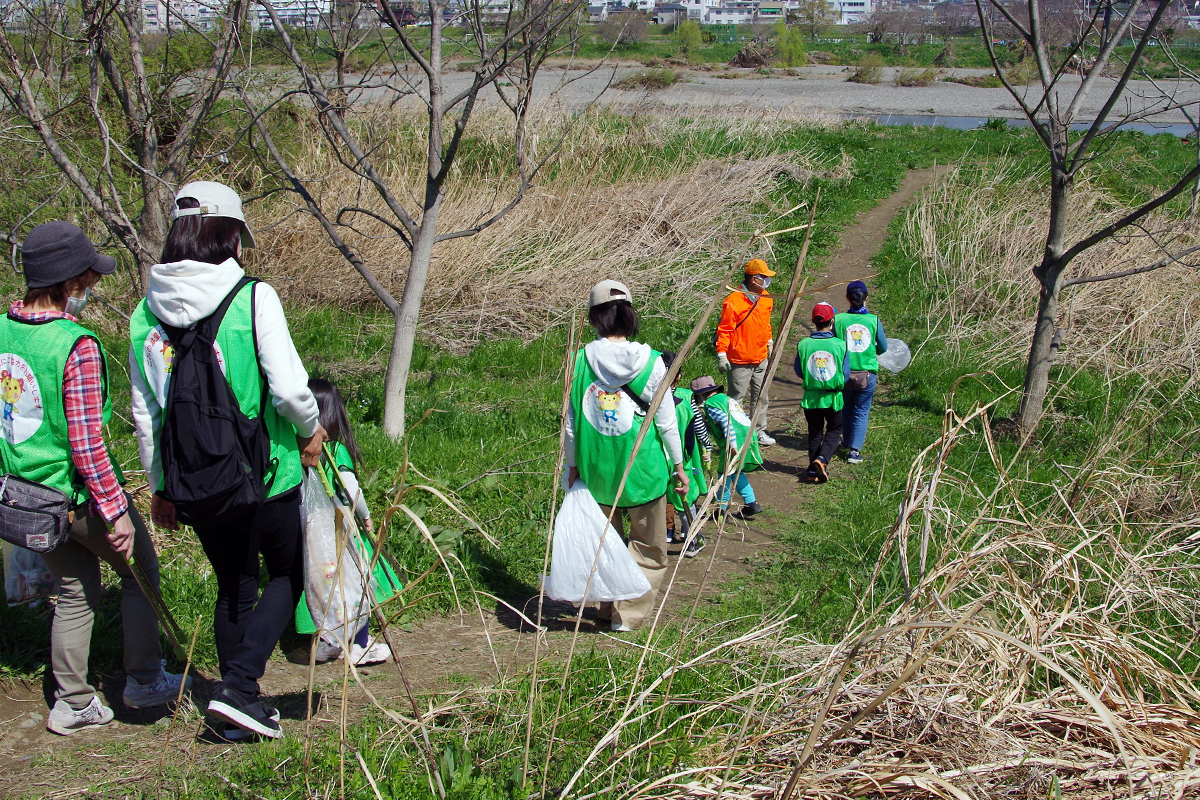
x=65 y=720
x=162 y=690
x=765 y=439
x=620 y=628
x=376 y=653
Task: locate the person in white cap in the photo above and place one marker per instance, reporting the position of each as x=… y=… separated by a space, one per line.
x=615 y=380
x=200 y=270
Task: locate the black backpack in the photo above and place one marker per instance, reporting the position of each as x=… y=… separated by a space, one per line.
x=214 y=458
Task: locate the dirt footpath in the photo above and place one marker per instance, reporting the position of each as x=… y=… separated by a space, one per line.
x=476 y=648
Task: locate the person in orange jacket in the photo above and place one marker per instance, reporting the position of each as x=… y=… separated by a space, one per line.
x=745 y=340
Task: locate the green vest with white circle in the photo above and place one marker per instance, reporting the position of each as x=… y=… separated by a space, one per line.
x=34 y=443
x=607 y=422
x=740 y=423
x=693 y=460
x=823 y=379
x=858 y=332
x=238 y=356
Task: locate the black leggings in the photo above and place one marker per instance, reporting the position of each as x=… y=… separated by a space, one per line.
x=248 y=626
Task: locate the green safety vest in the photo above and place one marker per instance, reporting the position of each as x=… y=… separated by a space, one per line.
x=34 y=444
x=858 y=331
x=741 y=429
x=821 y=359
x=606 y=426
x=386 y=583
x=238 y=356
x=693 y=459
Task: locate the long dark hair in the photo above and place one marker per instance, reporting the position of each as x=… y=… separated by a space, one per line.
x=211 y=240
x=333 y=416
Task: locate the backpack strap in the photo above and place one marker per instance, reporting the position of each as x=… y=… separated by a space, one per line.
x=184 y=338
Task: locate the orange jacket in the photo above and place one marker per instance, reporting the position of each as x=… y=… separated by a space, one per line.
x=745 y=328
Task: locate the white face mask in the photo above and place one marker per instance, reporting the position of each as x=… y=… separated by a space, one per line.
x=75 y=305
x=765 y=281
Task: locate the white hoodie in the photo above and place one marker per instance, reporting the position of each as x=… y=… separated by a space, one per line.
x=186 y=292
x=616 y=364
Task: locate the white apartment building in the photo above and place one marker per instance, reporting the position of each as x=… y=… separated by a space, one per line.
x=849 y=12
x=744 y=12
x=296 y=13
x=160 y=15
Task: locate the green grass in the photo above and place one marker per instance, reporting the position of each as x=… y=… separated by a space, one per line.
x=495 y=411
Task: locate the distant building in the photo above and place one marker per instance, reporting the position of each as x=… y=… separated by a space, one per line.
x=597 y=13
x=670 y=14
x=296 y=13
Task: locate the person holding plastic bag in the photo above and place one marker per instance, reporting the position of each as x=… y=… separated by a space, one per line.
x=199 y=276
x=56 y=404
x=383 y=583
x=862 y=333
x=615 y=380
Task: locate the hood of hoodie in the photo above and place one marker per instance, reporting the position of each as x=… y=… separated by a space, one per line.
x=616 y=363
x=184 y=292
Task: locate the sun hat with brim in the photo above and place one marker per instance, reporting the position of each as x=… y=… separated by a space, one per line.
x=756 y=266
x=216 y=200
x=608 y=291
x=704 y=383
x=57 y=251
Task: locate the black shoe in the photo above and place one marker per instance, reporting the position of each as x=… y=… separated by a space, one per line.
x=248 y=713
x=233 y=733
x=694 y=547
x=747 y=511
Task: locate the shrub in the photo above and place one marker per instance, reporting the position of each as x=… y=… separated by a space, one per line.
x=790 y=46
x=915 y=76
x=690 y=38
x=1023 y=74
x=627 y=27
x=869 y=69
x=978 y=81
x=650 y=79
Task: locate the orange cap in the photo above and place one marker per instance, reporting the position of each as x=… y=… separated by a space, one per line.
x=757 y=266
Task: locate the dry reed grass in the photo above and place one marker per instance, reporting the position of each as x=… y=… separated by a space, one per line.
x=977 y=235
x=1036 y=651
x=615 y=205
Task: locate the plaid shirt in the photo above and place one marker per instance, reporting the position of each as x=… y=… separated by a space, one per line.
x=83 y=403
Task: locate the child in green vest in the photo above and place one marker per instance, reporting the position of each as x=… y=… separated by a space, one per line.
x=384 y=582
x=731 y=426
x=821 y=364
x=862 y=333
x=697 y=454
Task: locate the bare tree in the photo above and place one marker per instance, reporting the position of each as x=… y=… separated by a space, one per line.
x=1053 y=108
x=121 y=119
x=528 y=32
x=813 y=17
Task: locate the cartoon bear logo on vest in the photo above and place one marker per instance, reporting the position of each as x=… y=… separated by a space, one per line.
x=822 y=366
x=22 y=400
x=738 y=413
x=609 y=412
x=158 y=361
x=858 y=338
x=168 y=354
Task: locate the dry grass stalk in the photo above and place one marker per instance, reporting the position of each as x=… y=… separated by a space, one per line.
x=613 y=207
x=978 y=234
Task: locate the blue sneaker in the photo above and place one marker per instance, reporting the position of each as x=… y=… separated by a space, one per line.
x=855 y=457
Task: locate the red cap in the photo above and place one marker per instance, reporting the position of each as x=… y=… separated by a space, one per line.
x=823 y=312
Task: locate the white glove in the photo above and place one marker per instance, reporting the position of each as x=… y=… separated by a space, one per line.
x=723 y=364
x=770 y=347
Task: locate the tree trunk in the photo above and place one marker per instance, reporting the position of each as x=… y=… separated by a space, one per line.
x=405 y=335
x=1041 y=351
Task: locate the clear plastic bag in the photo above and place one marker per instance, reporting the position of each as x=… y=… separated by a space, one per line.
x=338 y=611
x=897 y=357
x=26 y=576
x=578 y=529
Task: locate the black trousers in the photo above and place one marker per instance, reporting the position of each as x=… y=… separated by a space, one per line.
x=248 y=626
x=824 y=432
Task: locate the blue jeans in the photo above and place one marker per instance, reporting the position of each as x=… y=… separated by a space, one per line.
x=856 y=412
x=743 y=488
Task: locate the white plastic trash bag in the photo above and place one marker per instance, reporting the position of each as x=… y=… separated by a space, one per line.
x=340 y=610
x=578 y=530
x=897 y=357
x=26 y=576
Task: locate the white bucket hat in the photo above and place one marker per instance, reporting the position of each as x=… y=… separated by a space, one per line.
x=216 y=200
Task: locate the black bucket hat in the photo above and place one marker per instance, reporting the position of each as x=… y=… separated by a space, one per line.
x=57 y=251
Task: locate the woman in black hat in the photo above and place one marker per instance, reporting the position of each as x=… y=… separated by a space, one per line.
x=54 y=387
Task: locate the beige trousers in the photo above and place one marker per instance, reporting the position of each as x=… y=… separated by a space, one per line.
x=745 y=383
x=646 y=536
x=76 y=564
